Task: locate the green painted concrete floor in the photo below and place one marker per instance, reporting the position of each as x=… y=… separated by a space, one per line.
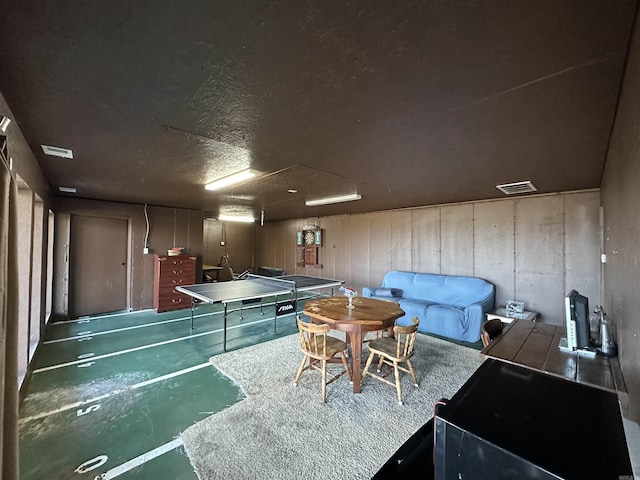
x=109 y=395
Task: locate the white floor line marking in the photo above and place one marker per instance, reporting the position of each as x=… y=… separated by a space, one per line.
x=136 y=462
x=98 y=317
x=151 y=381
x=152 y=345
x=152 y=324
x=133 y=327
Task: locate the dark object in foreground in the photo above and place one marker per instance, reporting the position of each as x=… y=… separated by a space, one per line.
x=512 y=422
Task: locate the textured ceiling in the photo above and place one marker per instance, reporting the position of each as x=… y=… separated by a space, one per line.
x=406 y=103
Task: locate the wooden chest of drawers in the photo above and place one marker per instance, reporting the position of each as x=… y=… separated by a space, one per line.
x=170 y=272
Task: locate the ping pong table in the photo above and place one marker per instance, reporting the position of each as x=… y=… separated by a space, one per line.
x=256 y=287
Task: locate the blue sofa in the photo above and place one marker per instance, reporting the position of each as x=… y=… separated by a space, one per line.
x=446 y=305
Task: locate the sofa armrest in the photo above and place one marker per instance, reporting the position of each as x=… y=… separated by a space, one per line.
x=367 y=291
x=382 y=292
x=474 y=316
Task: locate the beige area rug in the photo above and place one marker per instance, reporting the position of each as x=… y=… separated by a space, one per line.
x=284 y=432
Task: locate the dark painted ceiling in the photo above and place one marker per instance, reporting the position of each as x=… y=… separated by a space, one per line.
x=406 y=103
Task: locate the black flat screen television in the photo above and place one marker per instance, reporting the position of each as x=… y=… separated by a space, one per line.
x=577 y=320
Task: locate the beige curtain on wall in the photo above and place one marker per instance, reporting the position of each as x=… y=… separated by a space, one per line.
x=8 y=321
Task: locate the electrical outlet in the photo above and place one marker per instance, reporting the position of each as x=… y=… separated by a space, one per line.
x=145 y=251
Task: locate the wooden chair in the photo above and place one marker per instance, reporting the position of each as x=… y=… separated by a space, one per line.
x=376 y=334
x=318 y=347
x=226 y=273
x=490 y=329
x=393 y=351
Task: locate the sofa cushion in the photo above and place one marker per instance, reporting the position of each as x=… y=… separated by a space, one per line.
x=464 y=291
x=446 y=321
x=412 y=308
x=403 y=281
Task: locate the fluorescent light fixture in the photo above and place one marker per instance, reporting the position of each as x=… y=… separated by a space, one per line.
x=236 y=218
x=329 y=200
x=67 y=189
x=231 y=179
x=4 y=123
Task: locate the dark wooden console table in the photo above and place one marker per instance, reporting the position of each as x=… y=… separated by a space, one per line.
x=535 y=345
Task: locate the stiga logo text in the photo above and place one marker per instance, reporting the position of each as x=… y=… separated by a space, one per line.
x=282 y=308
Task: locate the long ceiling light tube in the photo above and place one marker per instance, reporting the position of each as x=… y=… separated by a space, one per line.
x=231 y=179
x=330 y=200
x=236 y=218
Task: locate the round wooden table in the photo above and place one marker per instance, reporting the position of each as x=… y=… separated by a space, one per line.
x=368 y=315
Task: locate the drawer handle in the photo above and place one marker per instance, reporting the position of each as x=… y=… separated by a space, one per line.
x=176 y=300
x=177 y=263
x=179 y=272
x=176 y=282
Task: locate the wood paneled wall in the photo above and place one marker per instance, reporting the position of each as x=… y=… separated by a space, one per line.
x=621 y=198
x=534 y=249
x=168 y=227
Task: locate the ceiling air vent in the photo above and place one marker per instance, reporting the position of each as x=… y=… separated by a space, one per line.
x=517 y=187
x=57 y=151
